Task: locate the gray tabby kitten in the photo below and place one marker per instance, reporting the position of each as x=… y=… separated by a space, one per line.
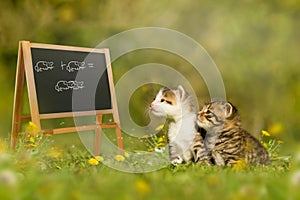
x=222 y=141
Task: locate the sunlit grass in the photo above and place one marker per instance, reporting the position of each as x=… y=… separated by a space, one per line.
x=38 y=169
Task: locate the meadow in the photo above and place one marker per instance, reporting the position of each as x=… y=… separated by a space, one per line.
x=39 y=168
x=255 y=45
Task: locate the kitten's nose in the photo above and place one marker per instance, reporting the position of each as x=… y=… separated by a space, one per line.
x=151 y=105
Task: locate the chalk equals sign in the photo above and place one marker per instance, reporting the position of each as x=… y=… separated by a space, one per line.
x=90 y=65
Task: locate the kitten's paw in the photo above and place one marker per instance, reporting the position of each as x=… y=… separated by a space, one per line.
x=177 y=161
x=205 y=161
x=219 y=161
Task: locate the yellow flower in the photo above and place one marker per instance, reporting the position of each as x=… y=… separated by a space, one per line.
x=159 y=127
x=93 y=161
x=48 y=134
x=150 y=150
x=126 y=155
x=274 y=155
x=119 y=158
x=160 y=144
x=31 y=145
x=99 y=158
x=160 y=139
x=32 y=125
x=31 y=128
x=55 y=153
x=279 y=142
x=265 y=133
x=276 y=128
x=142 y=187
x=31 y=139
x=240 y=164
x=265 y=145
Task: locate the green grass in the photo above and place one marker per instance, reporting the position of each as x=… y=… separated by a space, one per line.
x=254 y=44
x=41 y=169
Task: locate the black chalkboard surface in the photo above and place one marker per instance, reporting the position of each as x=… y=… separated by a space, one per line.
x=65 y=81
x=70 y=81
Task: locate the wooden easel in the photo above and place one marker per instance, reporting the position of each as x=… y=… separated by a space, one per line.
x=25 y=67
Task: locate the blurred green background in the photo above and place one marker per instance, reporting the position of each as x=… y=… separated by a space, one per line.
x=255 y=45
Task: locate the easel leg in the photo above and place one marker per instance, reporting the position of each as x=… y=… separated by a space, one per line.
x=118 y=136
x=97 y=135
x=97 y=141
x=17 y=109
x=33 y=102
x=99 y=119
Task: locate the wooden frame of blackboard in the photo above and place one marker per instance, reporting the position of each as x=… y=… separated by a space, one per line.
x=25 y=67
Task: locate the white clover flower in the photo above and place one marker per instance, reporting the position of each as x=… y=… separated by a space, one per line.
x=295 y=178
x=8 y=177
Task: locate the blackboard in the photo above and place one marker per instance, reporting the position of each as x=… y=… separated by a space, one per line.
x=59 y=89
x=65 y=81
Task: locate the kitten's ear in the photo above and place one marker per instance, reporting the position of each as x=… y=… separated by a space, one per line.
x=181 y=91
x=229 y=109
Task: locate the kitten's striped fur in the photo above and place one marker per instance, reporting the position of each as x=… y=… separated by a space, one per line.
x=222 y=141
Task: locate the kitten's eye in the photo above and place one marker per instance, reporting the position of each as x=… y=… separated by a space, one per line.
x=169 y=102
x=208 y=113
x=162 y=100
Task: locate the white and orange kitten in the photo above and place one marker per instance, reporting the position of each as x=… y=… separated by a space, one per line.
x=179 y=106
